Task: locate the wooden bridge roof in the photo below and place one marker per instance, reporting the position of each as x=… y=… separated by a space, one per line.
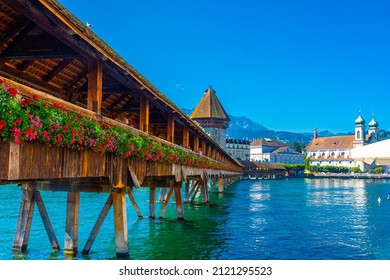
x=44 y=46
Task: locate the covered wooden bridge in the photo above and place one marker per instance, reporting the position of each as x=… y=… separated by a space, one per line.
x=76 y=117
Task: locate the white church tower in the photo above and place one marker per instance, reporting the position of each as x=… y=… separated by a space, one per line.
x=373 y=130
x=360 y=132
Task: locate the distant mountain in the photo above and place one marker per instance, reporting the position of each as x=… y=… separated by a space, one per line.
x=244 y=128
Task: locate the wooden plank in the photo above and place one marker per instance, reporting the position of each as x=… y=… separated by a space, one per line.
x=179 y=201
x=95 y=86
x=72 y=223
x=134 y=203
x=167 y=201
x=14 y=161
x=144 y=114
x=98 y=224
x=46 y=221
x=23 y=227
x=4 y=159
x=120 y=225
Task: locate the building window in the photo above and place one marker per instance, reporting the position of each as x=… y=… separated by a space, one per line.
x=358 y=135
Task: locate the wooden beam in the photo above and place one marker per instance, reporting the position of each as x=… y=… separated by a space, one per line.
x=144 y=114
x=23 y=32
x=171 y=128
x=38 y=55
x=98 y=224
x=186 y=137
x=134 y=203
x=13 y=31
x=46 y=221
x=23 y=227
x=24 y=78
x=72 y=223
x=196 y=143
x=95 y=86
x=120 y=225
x=57 y=69
x=166 y=202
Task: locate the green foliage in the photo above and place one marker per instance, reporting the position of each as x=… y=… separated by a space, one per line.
x=298 y=146
x=328 y=169
x=379 y=170
x=293 y=167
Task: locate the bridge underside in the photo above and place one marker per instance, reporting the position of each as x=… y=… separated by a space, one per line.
x=38 y=167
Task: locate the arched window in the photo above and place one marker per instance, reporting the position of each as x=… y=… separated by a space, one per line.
x=358 y=134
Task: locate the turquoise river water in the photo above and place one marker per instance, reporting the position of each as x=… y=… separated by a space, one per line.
x=291 y=219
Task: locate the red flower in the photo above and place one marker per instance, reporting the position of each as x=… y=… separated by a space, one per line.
x=35 y=97
x=2 y=124
x=1 y=81
x=13 y=92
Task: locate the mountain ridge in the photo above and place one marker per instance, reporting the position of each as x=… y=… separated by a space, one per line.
x=244 y=128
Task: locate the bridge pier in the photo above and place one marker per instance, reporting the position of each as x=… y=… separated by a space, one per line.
x=22 y=233
x=72 y=223
x=120 y=225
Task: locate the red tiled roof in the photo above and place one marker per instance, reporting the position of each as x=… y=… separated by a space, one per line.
x=330 y=143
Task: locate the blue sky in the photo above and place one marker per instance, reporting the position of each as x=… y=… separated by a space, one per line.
x=288 y=65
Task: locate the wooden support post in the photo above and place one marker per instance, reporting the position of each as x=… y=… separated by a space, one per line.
x=196 y=143
x=167 y=201
x=120 y=225
x=98 y=224
x=209 y=150
x=46 y=221
x=179 y=201
x=187 y=190
x=72 y=223
x=171 y=128
x=204 y=147
x=144 y=114
x=24 y=222
x=134 y=203
x=198 y=185
x=163 y=194
x=152 y=203
x=95 y=86
x=220 y=184
x=186 y=137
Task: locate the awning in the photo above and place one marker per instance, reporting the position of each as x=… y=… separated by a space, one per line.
x=378 y=152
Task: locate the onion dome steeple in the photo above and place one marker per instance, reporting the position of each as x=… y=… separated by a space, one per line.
x=373 y=122
x=360 y=120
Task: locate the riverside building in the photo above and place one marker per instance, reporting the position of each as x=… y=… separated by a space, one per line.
x=336 y=150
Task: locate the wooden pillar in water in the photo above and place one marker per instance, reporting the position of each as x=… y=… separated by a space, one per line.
x=98 y=224
x=152 y=203
x=120 y=225
x=23 y=227
x=220 y=184
x=22 y=234
x=179 y=201
x=72 y=223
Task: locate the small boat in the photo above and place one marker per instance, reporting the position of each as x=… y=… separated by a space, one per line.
x=379 y=199
x=388 y=196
